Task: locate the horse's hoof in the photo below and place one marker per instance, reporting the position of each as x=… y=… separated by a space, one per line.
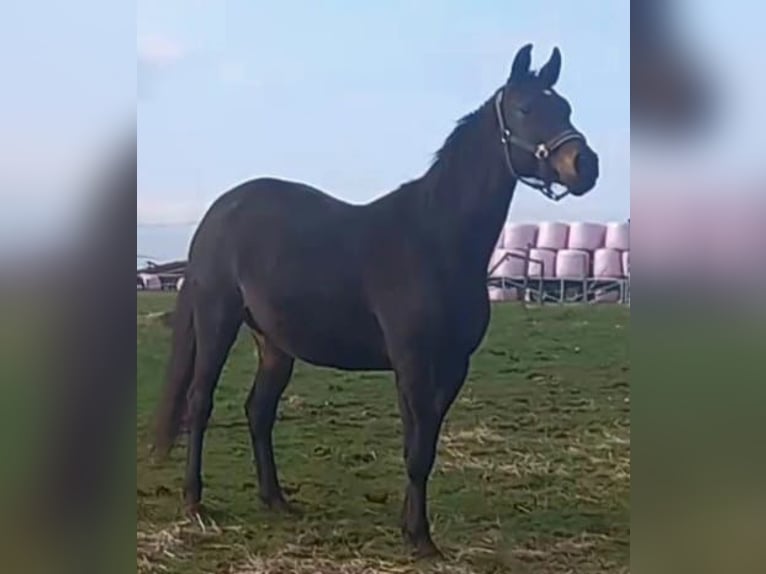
x=194 y=510
x=427 y=550
x=423 y=548
x=281 y=506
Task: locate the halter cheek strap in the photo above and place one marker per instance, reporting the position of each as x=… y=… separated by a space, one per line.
x=542 y=151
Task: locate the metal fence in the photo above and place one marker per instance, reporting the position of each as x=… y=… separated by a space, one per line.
x=542 y=289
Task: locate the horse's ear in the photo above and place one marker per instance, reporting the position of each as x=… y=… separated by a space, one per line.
x=549 y=73
x=521 y=63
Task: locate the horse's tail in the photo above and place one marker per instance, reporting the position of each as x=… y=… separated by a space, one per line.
x=180 y=370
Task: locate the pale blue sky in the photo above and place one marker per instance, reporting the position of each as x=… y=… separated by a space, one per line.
x=68 y=85
x=234 y=90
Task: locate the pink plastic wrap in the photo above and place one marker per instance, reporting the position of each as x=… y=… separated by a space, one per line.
x=552 y=235
x=572 y=264
x=542 y=262
x=607 y=263
x=514 y=265
x=519 y=235
x=626 y=263
x=500 y=294
x=497 y=255
x=495 y=293
x=606 y=296
x=500 y=239
x=584 y=235
x=151 y=281
x=617 y=235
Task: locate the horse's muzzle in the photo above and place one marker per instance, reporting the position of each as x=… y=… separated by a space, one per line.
x=577 y=168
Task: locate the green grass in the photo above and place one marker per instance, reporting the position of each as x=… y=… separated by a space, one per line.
x=533 y=471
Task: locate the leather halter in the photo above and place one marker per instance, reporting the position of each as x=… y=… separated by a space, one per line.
x=542 y=151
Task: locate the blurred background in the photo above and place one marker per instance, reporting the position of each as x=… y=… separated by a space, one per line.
x=78 y=75
x=699 y=236
x=697 y=91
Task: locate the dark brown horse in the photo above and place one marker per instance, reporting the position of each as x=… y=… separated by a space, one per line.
x=399 y=284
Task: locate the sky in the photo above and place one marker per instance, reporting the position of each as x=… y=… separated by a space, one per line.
x=68 y=90
x=230 y=91
x=221 y=92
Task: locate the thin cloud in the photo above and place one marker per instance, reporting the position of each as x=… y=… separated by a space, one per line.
x=156 y=212
x=233 y=72
x=159 y=51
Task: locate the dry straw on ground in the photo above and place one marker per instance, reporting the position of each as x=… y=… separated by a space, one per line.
x=157 y=549
x=164 y=549
x=473 y=449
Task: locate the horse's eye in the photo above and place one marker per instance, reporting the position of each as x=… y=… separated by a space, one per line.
x=522 y=111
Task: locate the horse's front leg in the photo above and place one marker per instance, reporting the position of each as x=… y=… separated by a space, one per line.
x=426 y=392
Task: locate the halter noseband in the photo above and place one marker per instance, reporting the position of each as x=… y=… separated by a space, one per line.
x=541 y=151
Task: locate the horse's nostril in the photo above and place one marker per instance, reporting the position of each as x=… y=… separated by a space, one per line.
x=585 y=162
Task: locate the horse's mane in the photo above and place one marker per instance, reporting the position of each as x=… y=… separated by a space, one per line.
x=456 y=136
x=464 y=141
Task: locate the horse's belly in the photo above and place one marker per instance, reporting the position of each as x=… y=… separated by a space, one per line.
x=348 y=357
x=330 y=334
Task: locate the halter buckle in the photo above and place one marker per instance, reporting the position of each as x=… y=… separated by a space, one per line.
x=542 y=152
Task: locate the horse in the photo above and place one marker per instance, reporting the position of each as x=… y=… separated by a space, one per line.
x=398 y=284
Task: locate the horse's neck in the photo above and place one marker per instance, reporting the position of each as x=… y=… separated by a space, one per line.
x=459 y=205
x=465 y=197
x=469 y=235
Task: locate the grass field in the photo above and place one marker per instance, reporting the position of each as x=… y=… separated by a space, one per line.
x=533 y=471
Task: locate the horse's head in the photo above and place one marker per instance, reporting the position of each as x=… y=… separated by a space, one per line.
x=540 y=140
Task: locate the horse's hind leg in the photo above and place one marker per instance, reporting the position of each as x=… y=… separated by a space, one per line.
x=216 y=324
x=274 y=370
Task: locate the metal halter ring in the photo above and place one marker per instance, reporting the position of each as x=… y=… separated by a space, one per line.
x=542 y=152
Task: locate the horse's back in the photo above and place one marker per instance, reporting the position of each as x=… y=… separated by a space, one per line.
x=295 y=256
x=282 y=225
x=264 y=213
x=288 y=201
